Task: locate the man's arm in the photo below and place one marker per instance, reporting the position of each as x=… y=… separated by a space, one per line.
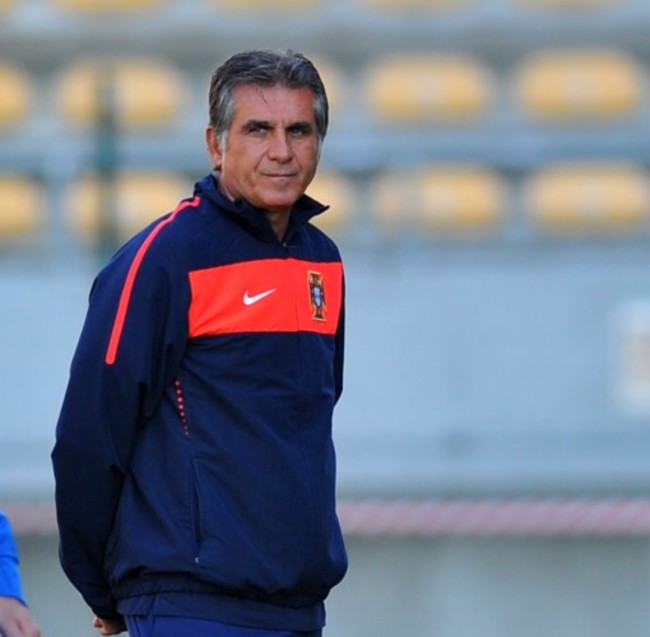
x=117 y=378
x=15 y=619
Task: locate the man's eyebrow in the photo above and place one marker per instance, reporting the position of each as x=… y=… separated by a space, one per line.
x=257 y=123
x=301 y=125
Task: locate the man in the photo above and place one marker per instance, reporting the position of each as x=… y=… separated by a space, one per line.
x=15 y=619
x=194 y=463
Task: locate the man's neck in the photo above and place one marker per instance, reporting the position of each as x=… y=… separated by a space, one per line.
x=279 y=222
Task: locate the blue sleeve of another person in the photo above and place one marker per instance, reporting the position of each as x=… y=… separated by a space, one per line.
x=10 y=585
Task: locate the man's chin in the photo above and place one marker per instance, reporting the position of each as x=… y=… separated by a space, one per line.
x=281 y=204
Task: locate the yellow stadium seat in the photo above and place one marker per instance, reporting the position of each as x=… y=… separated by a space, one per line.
x=393 y=201
x=22 y=207
x=579 y=84
x=108 y=5
x=442 y=201
x=587 y=199
x=16 y=94
x=337 y=192
x=143 y=93
x=134 y=200
x=414 y=4
x=566 y=4
x=428 y=87
x=465 y=200
x=271 y=6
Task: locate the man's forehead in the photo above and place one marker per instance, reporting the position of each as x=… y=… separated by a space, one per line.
x=253 y=101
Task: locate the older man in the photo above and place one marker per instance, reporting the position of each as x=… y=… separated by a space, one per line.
x=194 y=463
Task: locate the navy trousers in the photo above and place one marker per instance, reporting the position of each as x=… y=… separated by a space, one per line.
x=162 y=626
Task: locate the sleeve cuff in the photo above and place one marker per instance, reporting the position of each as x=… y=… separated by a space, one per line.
x=10 y=584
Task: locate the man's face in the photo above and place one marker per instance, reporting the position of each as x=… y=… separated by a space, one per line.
x=272 y=147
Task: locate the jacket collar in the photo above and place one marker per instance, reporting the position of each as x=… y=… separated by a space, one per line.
x=254 y=219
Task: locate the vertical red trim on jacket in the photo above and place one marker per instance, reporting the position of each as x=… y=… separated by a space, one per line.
x=125 y=297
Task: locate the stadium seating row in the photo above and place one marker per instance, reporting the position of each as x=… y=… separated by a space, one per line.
x=567 y=199
x=550 y=84
x=139 y=5
x=569 y=85
x=570 y=199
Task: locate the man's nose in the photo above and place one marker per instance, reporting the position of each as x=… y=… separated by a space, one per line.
x=280 y=148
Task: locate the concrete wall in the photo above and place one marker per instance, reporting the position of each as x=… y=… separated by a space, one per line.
x=451 y=587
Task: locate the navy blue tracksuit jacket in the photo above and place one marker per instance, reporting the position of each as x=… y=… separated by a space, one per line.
x=194 y=457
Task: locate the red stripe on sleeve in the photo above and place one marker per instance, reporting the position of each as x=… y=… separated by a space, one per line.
x=125 y=297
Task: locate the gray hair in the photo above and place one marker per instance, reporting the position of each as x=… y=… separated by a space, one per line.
x=263 y=68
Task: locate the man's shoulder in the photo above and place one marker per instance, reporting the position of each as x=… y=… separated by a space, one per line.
x=184 y=231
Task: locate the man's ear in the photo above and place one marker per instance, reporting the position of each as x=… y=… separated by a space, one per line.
x=214 y=148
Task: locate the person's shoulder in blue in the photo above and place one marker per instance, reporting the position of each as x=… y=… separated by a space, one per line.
x=15 y=618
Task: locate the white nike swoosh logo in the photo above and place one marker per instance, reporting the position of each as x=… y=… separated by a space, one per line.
x=249 y=300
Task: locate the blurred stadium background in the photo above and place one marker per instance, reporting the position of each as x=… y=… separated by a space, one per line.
x=488 y=169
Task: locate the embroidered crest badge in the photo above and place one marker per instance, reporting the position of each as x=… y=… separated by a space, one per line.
x=317 y=295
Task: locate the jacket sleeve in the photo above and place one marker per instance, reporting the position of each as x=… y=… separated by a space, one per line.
x=10 y=584
x=130 y=346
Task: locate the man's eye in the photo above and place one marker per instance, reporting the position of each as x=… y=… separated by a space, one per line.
x=257 y=128
x=300 y=130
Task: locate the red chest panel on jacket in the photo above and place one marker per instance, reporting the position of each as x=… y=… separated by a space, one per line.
x=270 y=295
